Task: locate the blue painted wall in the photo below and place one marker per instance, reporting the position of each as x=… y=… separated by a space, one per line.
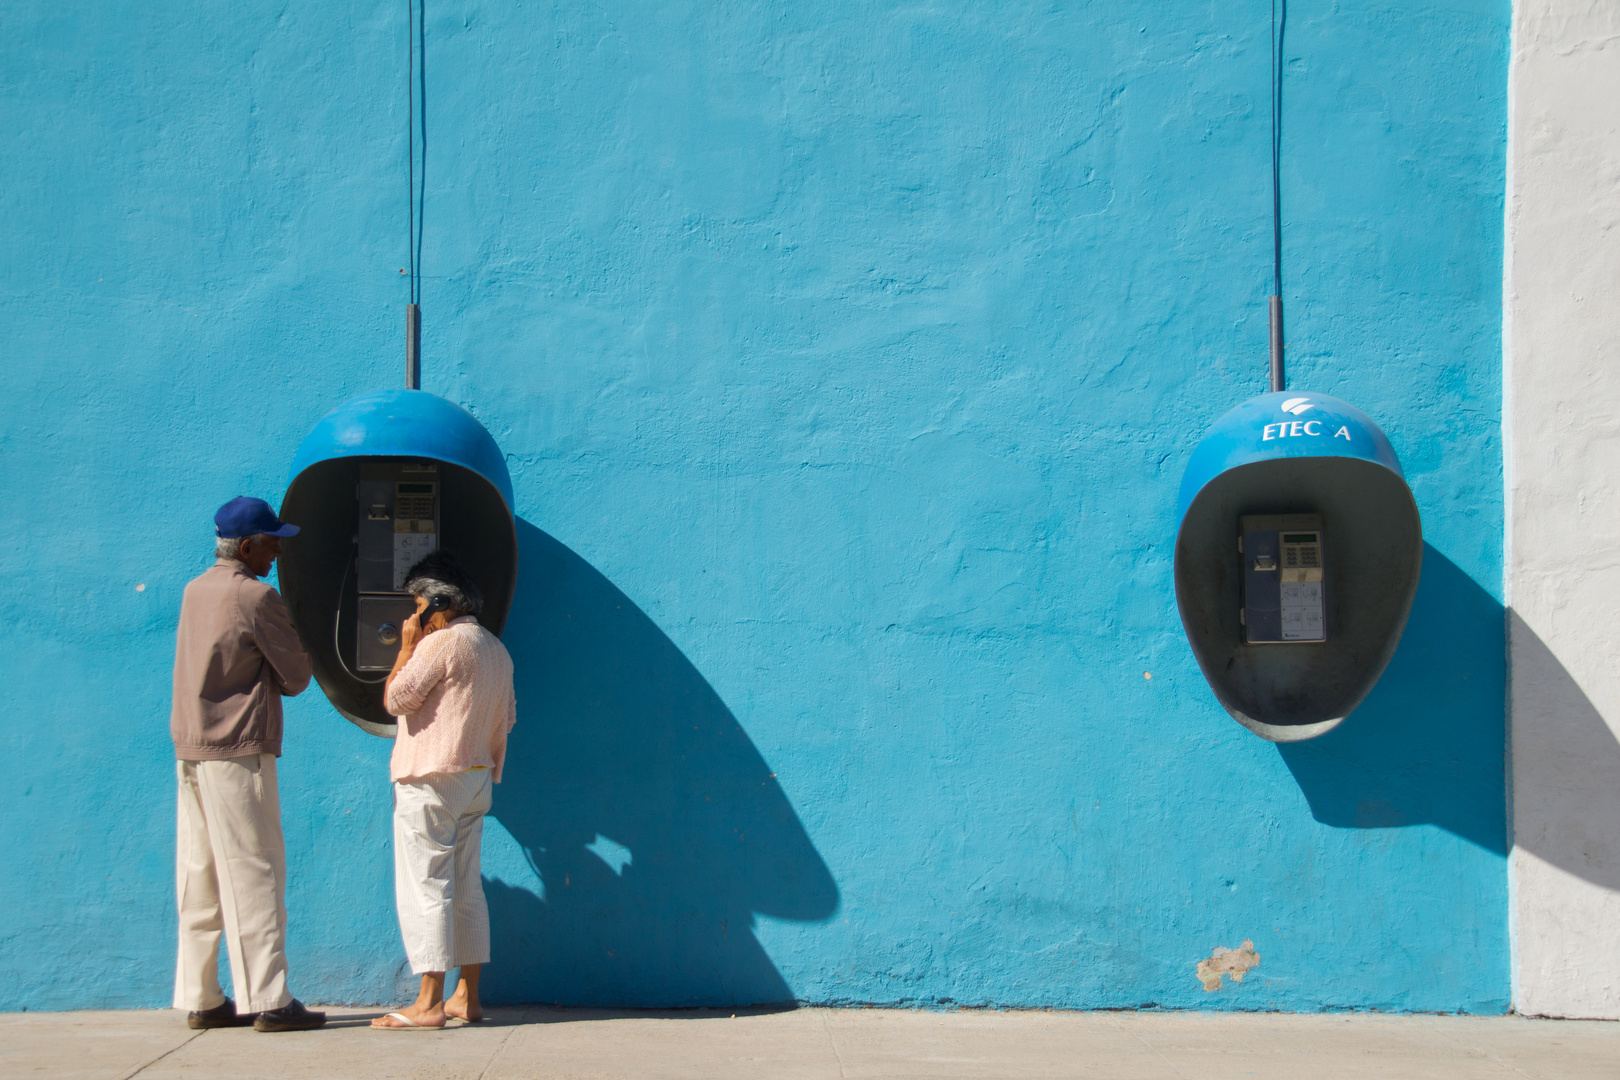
x=847 y=357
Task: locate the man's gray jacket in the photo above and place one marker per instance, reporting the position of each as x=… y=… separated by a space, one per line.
x=236 y=653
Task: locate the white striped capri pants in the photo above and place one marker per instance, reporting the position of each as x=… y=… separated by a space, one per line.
x=438 y=833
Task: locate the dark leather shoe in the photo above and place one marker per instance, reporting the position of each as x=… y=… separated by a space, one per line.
x=222 y=1015
x=291 y=1017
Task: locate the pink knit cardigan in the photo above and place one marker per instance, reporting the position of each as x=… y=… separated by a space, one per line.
x=454 y=703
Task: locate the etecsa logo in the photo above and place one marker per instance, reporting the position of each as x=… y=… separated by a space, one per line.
x=1313 y=428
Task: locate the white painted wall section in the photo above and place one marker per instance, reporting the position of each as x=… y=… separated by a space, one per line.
x=1562 y=413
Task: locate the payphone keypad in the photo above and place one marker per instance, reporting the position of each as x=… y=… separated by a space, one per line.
x=1284 y=594
x=416 y=533
x=413 y=500
x=398 y=527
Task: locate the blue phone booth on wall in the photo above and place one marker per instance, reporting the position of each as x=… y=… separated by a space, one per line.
x=382 y=481
x=1297 y=560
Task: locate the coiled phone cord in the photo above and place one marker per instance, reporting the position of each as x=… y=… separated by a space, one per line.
x=337 y=622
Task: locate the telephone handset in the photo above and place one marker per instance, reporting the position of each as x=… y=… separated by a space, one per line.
x=434 y=606
x=1284 y=579
x=389 y=634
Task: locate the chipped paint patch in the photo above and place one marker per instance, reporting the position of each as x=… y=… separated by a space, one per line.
x=1224 y=961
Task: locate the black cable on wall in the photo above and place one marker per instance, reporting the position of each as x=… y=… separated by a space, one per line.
x=416 y=120
x=1279 y=23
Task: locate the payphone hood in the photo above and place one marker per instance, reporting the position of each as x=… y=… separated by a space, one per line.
x=472 y=516
x=406 y=423
x=1273 y=457
x=1312 y=425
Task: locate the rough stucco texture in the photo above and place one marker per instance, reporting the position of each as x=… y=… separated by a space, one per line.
x=1565 y=272
x=847 y=357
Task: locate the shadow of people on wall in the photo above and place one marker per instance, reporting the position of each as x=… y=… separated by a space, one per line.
x=1426 y=746
x=655 y=828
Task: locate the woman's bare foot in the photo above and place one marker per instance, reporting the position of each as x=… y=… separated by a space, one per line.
x=464 y=1003
x=457 y=1007
x=427 y=1011
x=432 y=1017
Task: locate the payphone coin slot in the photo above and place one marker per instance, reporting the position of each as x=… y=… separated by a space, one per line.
x=1265 y=562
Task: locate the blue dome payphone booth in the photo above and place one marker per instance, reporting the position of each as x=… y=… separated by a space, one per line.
x=1297 y=560
x=381 y=481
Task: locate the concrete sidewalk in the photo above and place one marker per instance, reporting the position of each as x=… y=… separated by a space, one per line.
x=819 y=1043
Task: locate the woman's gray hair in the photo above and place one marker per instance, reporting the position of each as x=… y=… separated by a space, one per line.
x=230 y=547
x=439 y=574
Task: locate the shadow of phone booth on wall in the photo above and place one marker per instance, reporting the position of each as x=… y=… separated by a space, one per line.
x=1297 y=559
x=383 y=480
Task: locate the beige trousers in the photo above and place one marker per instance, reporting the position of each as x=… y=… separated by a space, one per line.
x=438 y=834
x=231 y=878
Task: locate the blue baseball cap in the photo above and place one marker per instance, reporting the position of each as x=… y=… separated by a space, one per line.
x=247 y=516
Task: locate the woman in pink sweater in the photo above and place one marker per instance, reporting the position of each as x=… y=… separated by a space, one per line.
x=451 y=691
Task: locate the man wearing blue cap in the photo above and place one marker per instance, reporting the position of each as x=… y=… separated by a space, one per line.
x=236 y=655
